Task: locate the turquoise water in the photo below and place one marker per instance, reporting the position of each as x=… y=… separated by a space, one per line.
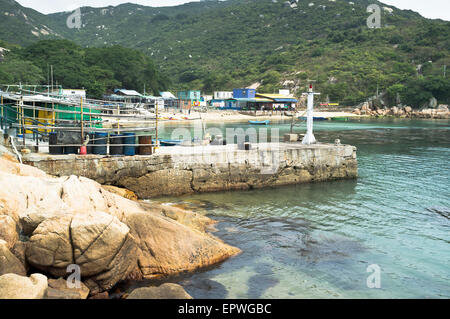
x=317 y=240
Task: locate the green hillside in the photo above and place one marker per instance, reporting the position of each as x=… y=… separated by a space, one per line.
x=212 y=45
x=22 y=25
x=98 y=70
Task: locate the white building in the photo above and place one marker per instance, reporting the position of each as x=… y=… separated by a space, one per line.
x=223 y=95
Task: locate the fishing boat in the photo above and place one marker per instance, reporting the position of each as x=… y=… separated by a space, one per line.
x=315 y=118
x=169 y=142
x=259 y=122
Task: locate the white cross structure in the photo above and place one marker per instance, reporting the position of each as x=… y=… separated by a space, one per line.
x=309 y=137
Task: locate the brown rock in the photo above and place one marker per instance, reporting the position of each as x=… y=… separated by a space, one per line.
x=19 y=250
x=8 y=230
x=357 y=111
x=188 y=218
x=58 y=289
x=97 y=242
x=13 y=286
x=167 y=247
x=125 y=193
x=165 y=291
x=74 y=220
x=10 y=264
x=102 y=295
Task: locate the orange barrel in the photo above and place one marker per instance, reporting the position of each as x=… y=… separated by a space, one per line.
x=143 y=149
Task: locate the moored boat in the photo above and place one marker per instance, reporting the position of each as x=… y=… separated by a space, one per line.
x=169 y=142
x=259 y=122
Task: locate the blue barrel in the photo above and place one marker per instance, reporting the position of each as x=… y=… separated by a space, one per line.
x=101 y=139
x=129 y=139
x=115 y=139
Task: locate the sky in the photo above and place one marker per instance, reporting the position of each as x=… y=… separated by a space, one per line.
x=434 y=9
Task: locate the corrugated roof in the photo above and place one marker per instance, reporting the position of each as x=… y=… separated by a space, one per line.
x=128 y=92
x=256 y=99
x=167 y=95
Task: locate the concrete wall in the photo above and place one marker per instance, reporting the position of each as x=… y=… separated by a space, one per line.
x=184 y=170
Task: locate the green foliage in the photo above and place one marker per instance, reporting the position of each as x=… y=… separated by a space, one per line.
x=418 y=92
x=98 y=70
x=18 y=71
x=219 y=45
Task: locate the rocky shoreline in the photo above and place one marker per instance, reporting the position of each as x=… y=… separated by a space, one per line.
x=50 y=225
x=441 y=112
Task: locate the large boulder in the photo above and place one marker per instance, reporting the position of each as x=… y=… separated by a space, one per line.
x=165 y=291
x=8 y=230
x=167 y=247
x=9 y=263
x=97 y=242
x=74 y=220
x=13 y=286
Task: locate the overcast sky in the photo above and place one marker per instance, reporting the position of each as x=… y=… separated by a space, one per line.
x=428 y=8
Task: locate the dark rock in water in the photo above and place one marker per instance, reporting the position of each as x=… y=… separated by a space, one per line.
x=165 y=291
x=444 y=212
x=324 y=248
x=258 y=284
x=206 y=288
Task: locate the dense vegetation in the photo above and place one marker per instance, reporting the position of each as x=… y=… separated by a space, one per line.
x=219 y=45
x=98 y=70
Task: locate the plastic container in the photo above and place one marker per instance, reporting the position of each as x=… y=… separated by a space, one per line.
x=129 y=139
x=115 y=147
x=100 y=143
x=145 y=150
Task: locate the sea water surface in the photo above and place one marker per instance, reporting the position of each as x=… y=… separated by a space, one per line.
x=317 y=240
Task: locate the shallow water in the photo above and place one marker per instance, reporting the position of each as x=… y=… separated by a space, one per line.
x=317 y=240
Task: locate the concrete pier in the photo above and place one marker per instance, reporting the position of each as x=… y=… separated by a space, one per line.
x=184 y=170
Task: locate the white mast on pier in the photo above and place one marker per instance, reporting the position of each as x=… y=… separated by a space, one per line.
x=309 y=137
